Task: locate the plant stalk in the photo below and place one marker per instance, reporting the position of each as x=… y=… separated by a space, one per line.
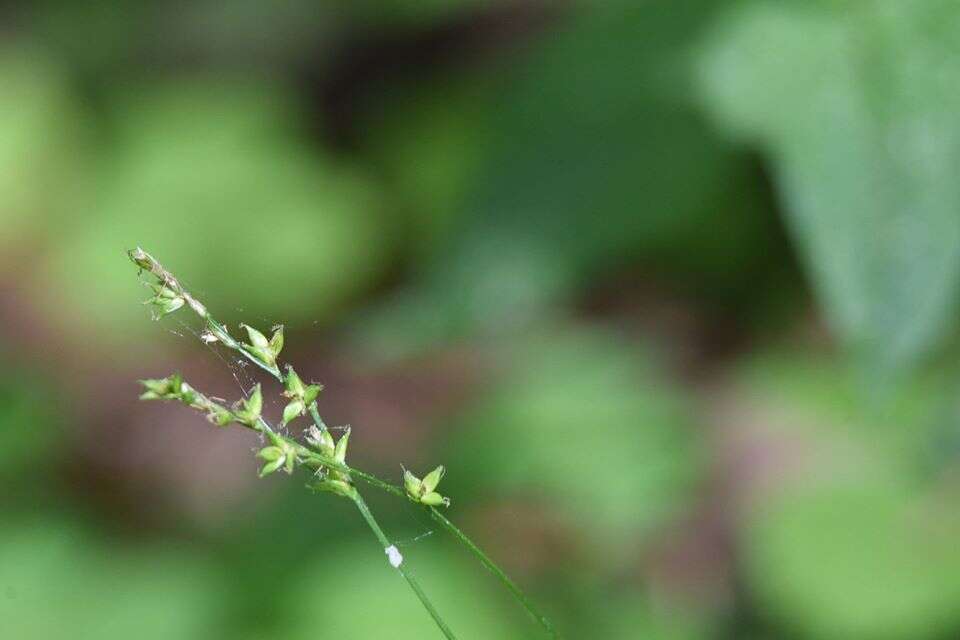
x=315 y=460
x=495 y=570
x=387 y=546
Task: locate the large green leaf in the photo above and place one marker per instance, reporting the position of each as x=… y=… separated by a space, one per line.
x=855 y=103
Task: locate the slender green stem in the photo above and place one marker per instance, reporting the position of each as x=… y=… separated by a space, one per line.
x=374 y=481
x=465 y=540
x=397 y=562
x=318 y=460
x=495 y=570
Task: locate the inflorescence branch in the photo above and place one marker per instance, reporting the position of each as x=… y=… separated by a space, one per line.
x=320 y=454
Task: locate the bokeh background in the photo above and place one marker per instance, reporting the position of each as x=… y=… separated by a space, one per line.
x=668 y=285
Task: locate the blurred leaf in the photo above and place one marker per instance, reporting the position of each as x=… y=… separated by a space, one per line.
x=629 y=615
x=28 y=424
x=245 y=33
x=211 y=180
x=822 y=399
x=597 y=155
x=39 y=144
x=93 y=38
x=595 y=160
x=57 y=584
x=856 y=105
x=430 y=143
x=408 y=13
x=846 y=536
x=857 y=562
x=104 y=41
x=591 y=429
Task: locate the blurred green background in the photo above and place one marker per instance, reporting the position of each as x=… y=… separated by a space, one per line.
x=668 y=285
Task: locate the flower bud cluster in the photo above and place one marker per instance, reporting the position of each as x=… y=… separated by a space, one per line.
x=173 y=387
x=424 y=491
x=247 y=411
x=329 y=479
x=169 y=295
x=266 y=351
x=165 y=300
x=280 y=454
x=301 y=395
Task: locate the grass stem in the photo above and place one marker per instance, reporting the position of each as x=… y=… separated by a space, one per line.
x=495 y=570
x=388 y=546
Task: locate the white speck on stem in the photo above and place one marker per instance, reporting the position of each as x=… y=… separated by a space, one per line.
x=393 y=555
